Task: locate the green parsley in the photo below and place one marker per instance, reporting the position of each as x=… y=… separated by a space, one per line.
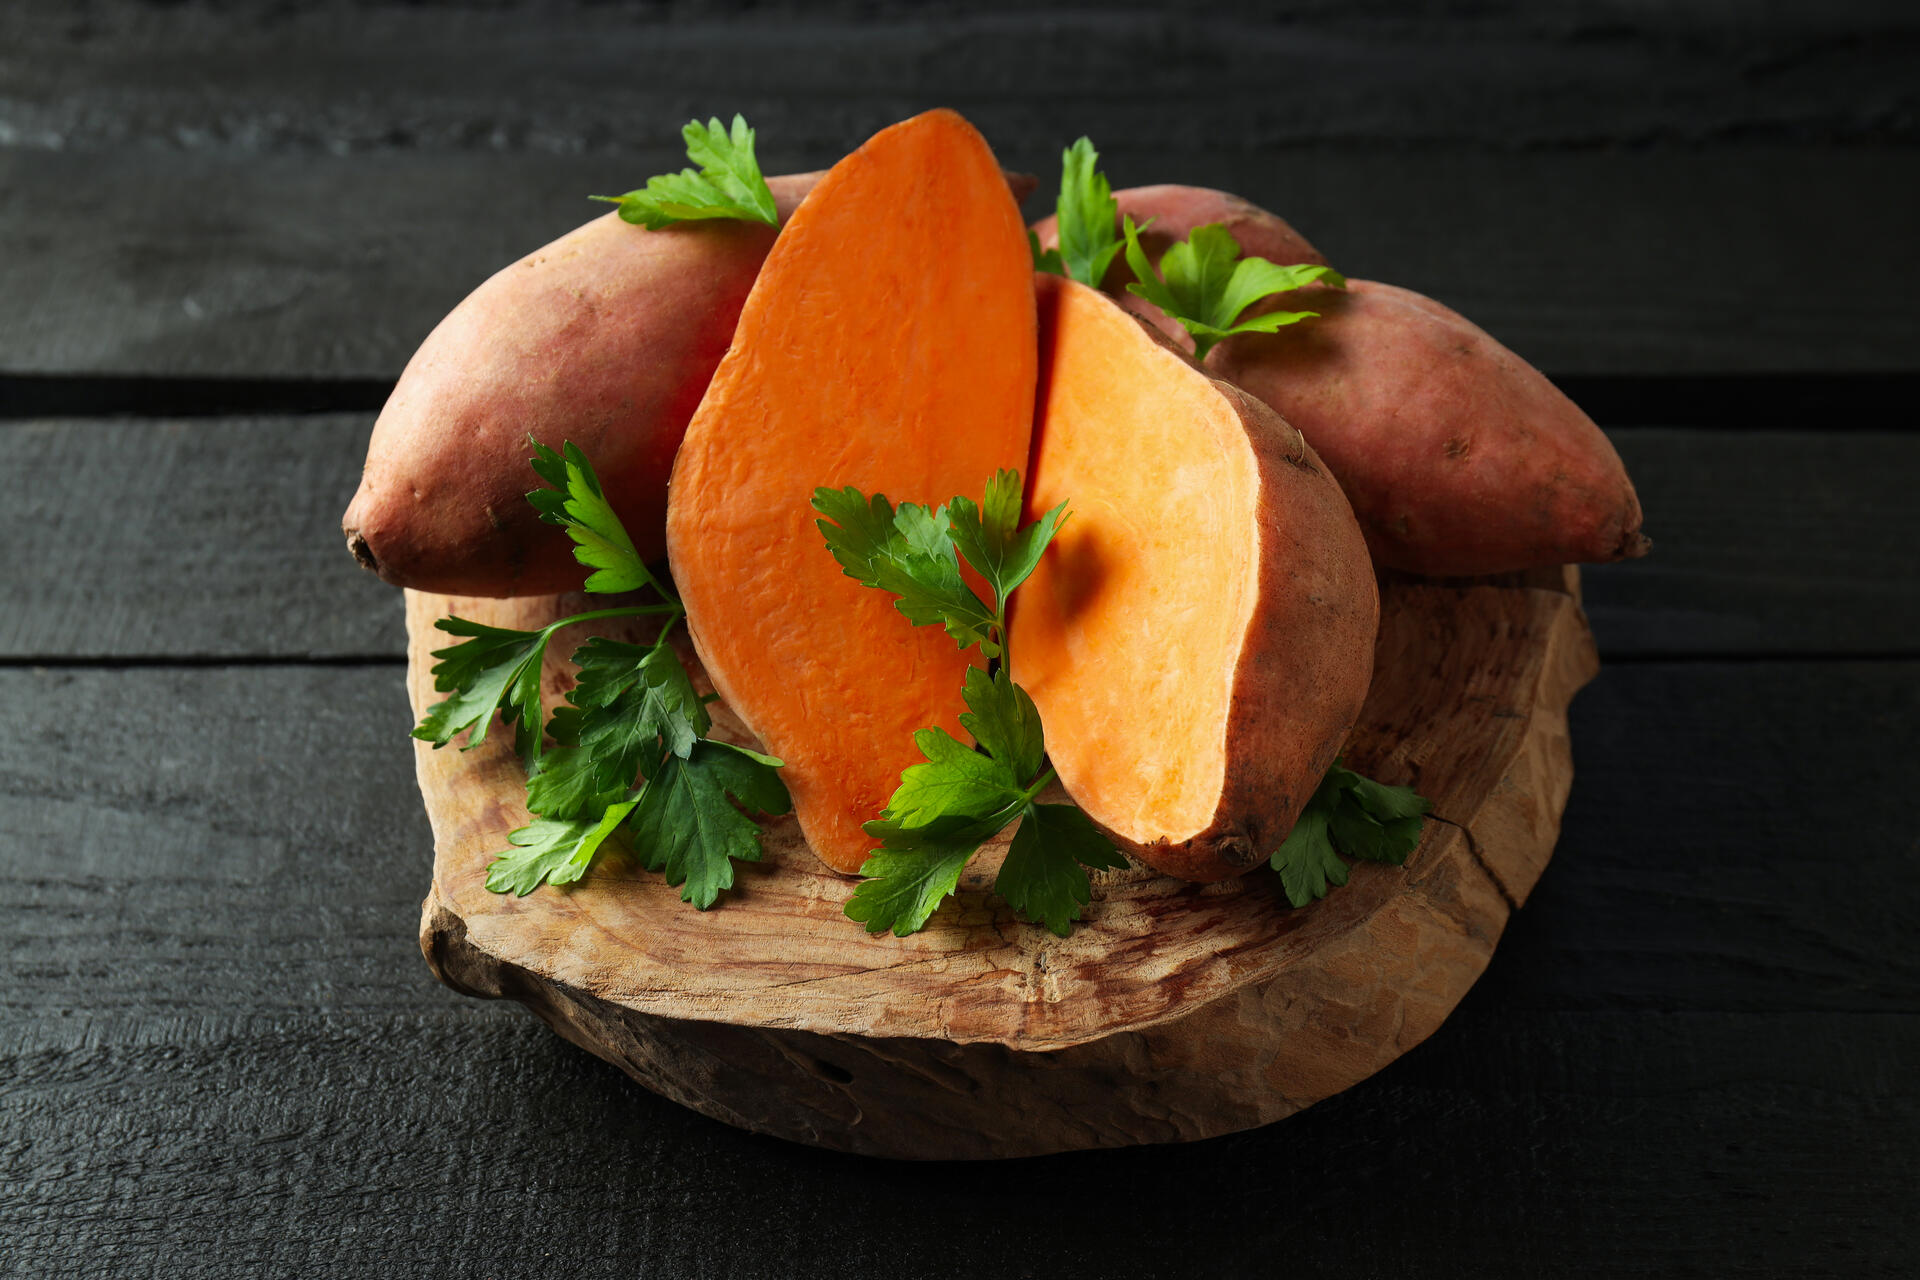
x=961 y=797
x=1087 y=218
x=728 y=183
x=1207 y=284
x=632 y=718
x=1349 y=814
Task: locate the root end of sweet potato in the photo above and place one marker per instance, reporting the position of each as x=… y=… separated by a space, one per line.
x=362 y=551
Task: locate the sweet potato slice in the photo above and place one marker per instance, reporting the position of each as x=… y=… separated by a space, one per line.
x=607 y=337
x=888 y=344
x=1199 y=638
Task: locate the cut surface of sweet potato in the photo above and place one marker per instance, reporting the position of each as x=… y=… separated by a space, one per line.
x=1199 y=638
x=888 y=344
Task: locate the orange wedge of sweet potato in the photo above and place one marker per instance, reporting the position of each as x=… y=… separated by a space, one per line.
x=1199 y=638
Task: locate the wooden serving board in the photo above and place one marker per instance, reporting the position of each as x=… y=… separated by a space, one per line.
x=1174 y=1012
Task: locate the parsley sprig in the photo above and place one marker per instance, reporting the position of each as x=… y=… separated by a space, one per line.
x=728 y=183
x=1205 y=284
x=1202 y=282
x=629 y=747
x=961 y=797
x=1086 y=217
x=1349 y=814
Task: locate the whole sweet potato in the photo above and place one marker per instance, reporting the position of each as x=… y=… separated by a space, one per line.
x=1459 y=457
x=607 y=337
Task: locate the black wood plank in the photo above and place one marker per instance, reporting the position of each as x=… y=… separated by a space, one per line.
x=1764 y=543
x=1591 y=262
x=218 y=538
x=1690 y=1057
x=469 y=1142
x=188 y=539
x=328 y=78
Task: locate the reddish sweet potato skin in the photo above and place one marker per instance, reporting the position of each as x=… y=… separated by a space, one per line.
x=607 y=337
x=1459 y=457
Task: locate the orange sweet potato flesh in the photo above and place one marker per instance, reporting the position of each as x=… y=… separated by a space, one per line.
x=607 y=337
x=1460 y=457
x=1199 y=638
x=888 y=344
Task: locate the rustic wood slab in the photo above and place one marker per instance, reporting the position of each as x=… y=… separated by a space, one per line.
x=1174 y=1012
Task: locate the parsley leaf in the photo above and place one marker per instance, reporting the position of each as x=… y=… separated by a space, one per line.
x=915 y=869
x=497 y=669
x=1306 y=860
x=1044 y=259
x=727 y=185
x=1377 y=822
x=955 y=780
x=576 y=502
x=987 y=533
x=909 y=552
x=1044 y=877
x=1349 y=814
x=631 y=703
x=570 y=782
x=945 y=809
x=1004 y=721
x=552 y=851
x=1208 y=284
x=685 y=823
x=1086 y=215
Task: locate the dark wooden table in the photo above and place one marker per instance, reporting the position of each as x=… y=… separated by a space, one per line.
x=223 y=230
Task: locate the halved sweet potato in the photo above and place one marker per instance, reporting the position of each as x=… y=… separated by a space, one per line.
x=1199 y=638
x=888 y=344
x=1460 y=457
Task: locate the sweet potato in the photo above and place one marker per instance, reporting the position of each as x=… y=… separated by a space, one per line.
x=1199 y=639
x=888 y=344
x=1460 y=458
x=607 y=337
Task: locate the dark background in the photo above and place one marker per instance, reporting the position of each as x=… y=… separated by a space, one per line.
x=223 y=228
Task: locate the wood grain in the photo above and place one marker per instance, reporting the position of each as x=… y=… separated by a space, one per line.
x=1172 y=1013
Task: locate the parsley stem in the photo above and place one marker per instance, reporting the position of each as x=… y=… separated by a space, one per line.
x=630 y=611
x=1039 y=784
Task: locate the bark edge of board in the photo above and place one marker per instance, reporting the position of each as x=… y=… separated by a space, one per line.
x=1175 y=1012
